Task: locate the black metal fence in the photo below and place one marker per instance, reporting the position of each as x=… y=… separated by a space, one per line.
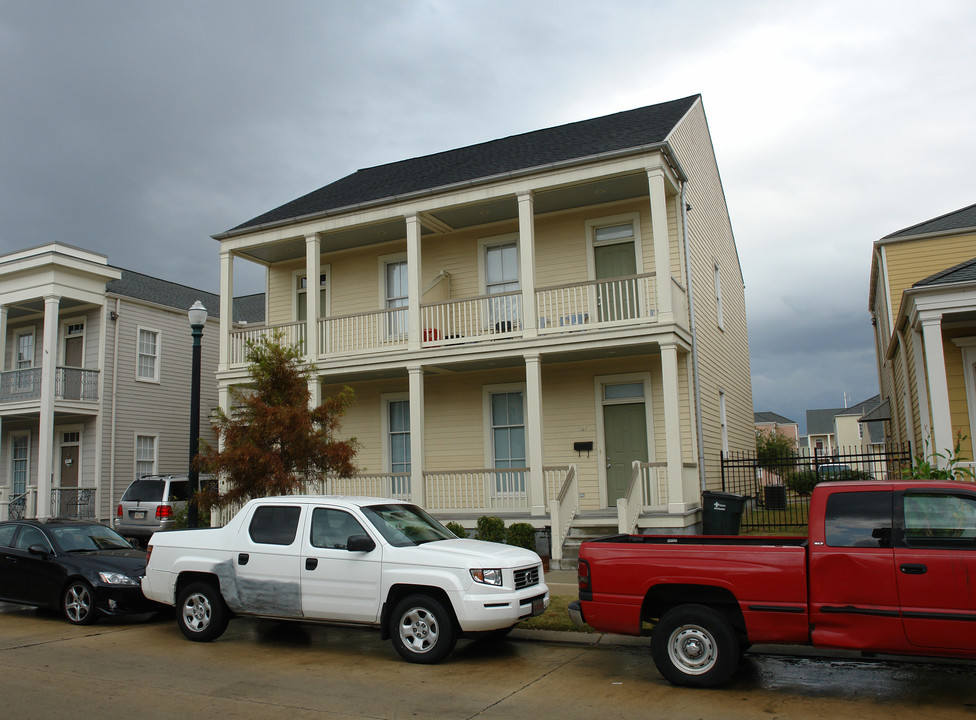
x=777 y=488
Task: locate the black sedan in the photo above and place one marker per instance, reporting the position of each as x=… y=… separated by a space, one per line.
x=83 y=569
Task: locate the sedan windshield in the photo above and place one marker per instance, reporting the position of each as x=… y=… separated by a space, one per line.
x=83 y=538
x=406 y=525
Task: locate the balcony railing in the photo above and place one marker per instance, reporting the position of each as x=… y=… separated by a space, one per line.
x=69 y=384
x=470 y=319
x=73 y=503
x=560 y=309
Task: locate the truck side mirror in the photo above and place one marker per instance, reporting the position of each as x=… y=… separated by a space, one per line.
x=360 y=543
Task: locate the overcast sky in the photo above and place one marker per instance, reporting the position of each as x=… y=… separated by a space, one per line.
x=139 y=129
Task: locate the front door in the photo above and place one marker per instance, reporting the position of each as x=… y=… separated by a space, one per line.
x=616 y=300
x=625 y=431
x=74 y=357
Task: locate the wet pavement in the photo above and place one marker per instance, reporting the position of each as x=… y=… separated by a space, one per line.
x=144 y=668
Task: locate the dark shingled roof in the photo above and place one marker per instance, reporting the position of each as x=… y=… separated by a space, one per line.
x=248 y=308
x=958 y=220
x=621 y=131
x=963 y=272
x=771 y=417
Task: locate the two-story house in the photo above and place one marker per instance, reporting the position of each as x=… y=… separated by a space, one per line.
x=923 y=306
x=549 y=326
x=94 y=379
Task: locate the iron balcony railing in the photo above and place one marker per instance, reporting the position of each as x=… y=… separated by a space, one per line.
x=69 y=384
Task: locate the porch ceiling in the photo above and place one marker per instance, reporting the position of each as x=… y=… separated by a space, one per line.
x=35 y=307
x=458 y=217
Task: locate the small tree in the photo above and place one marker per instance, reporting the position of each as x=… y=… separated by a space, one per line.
x=273 y=441
x=774 y=451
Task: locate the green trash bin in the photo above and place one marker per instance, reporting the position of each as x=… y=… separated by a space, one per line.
x=721 y=512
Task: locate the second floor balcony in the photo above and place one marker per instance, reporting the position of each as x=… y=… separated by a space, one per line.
x=24 y=385
x=570 y=308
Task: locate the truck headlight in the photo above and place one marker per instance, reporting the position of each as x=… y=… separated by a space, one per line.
x=111 y=578
x=487 y=576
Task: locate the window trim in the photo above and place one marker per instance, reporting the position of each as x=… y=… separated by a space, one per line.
x=486 y=393
x=719 y=314
x=594 y=224
x=135 y=454
x=385 y=400
x=21 y=332
x=158 y=356
x=492 y=241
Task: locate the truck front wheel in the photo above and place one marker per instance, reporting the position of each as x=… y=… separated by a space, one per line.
x=695 y=645
x=201 y=612
x=422 y=630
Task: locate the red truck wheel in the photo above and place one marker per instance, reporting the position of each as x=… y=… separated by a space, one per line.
x=694 y=645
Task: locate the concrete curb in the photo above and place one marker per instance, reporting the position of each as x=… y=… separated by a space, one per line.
x=579 y=638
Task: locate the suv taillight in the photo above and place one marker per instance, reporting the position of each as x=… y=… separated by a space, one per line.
x=164 y=512
x=118 y=513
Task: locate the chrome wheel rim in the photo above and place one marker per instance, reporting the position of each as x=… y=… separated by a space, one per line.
x=197 y=612
x=419 y=630
x=692 y=649
x=77 y=603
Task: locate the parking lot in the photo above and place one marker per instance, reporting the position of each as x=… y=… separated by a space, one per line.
x=143 y=667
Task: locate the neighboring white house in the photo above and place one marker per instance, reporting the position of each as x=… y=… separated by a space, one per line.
x=549 y=326
x=95 y=381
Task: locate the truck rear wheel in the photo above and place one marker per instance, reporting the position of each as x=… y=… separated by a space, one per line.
x=695 y=645
x=201 y=612
x=422 y=630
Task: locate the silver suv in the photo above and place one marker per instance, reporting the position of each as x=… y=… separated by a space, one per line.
x=150 y=504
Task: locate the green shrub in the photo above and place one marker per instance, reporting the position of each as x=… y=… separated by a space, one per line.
x=180 y=518
x=802 y=482
x=521 y=535
x=491 y=528
x=457 y=529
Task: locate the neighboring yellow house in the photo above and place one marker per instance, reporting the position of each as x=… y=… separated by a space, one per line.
x=923 y=306
x=548 y=327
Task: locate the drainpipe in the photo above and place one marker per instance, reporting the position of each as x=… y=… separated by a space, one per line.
x=694 y=340
x=111 y=441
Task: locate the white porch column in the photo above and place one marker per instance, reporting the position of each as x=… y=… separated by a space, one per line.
x=45 y=434
x=3 y=338
x=672 y=428
x=662 y=245
x=942 y=440
x=533 y=435
x=527 y=263
x=313 y=296
x=226 y=306
x=414 y=288
x=314 y=391
x=417 y=460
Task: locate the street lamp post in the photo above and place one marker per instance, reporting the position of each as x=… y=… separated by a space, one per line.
x=198 y=318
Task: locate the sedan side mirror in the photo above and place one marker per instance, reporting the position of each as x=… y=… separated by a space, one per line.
x=360 y=543
x=39 y=550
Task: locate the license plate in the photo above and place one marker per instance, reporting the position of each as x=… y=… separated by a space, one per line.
x=538 y=607
x=138 y=514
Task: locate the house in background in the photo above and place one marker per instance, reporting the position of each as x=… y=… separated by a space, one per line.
x=844 y=430
x=95 y=381
x=548 y=327
x=771 y=422
x=923 y=306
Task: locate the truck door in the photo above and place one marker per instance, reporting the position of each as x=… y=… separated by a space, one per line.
x=936 y=567
x=337 y=583
x=853 y=593
x=266 y=564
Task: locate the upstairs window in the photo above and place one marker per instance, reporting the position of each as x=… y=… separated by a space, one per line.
x=147 y=358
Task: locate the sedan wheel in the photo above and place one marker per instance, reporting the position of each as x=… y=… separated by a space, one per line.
x=78 y=603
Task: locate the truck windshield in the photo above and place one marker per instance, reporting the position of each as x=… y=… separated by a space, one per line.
x=406 y=525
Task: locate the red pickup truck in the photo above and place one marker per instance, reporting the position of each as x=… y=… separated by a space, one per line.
x=887 y=567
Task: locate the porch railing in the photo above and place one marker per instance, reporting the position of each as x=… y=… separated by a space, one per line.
x=469 y=319
x=19 y=385
x=362 y=332
x=76 y=384
x=647 y=491
x=562 y=511
x=291 y=334
x=73 y=503
x=19 y=506
x=385 y=485
x=477 y=490
x=596 y=303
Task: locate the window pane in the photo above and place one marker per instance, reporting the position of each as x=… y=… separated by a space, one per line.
x=859 y=519
x=624 y=390
x=615 y=232
x=274 y=524
x=501 y=267
x=939 y=519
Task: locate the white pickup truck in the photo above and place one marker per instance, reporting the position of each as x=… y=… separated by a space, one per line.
x=361 y=561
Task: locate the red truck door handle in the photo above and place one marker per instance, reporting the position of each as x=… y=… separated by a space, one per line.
x=914 y=569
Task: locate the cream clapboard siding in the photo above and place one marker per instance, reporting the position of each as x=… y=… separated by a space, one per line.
x=909 y=261
x=161 y=409
x=723 y=355
x=956 y=380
